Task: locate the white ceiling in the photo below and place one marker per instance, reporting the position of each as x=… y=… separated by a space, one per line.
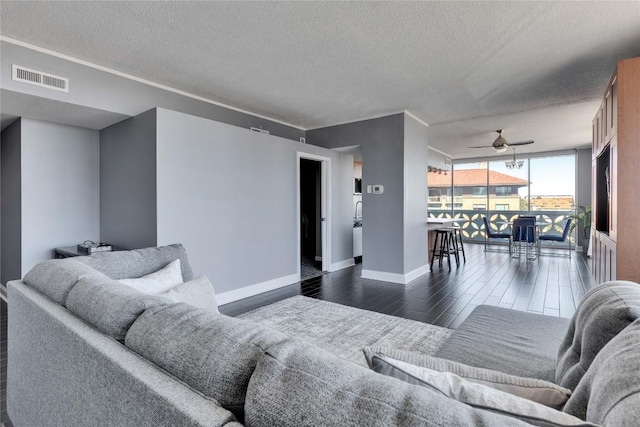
x=535 y=69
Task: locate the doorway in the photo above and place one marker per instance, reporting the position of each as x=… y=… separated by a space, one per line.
x=312 y=215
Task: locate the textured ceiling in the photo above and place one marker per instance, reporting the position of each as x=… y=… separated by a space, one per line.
x=466 y=68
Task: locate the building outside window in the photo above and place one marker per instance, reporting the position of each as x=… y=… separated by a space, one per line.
x=479 y=191
x=503 y=190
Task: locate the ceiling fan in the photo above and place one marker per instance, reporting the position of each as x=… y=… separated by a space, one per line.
x=501 y=144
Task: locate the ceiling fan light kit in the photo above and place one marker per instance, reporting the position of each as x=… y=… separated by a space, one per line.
x=514 y=164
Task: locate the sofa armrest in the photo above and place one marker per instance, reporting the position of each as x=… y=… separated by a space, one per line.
x=62 y=371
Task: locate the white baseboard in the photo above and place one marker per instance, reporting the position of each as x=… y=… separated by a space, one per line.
x=258 y=288
x=342 y=264
x=403 y=279
x=383 y=276
x=413 y=275
x=318 y=258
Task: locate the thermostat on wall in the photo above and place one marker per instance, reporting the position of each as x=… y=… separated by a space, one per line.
x=377 y=189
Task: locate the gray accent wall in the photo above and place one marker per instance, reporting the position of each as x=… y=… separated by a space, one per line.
x=100 y=90
x=382 y=143
x=229 y=195
x=415 y=194
x=128 y=182
x=11 y=206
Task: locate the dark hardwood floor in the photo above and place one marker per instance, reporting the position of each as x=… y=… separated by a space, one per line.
x=550 y=285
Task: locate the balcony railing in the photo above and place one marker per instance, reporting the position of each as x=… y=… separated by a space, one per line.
x=473 y=226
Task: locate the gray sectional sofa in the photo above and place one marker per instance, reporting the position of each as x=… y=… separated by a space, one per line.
x=86 y=350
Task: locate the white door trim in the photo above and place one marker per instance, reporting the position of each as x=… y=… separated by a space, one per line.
x=325 y=197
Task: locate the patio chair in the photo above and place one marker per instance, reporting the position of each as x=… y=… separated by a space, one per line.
x=489 y=234
x=558 y=237
x=523 y=234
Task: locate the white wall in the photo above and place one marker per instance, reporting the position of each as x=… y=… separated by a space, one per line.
x=60 y=188
x=415 y=195
x=229 y=195
x=437 y=159
x=583 y=184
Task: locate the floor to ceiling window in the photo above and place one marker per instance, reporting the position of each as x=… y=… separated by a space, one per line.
x=553 y=183
x=504 y=189
x=461 y=193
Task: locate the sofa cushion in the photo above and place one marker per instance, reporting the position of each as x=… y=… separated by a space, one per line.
x=298 y=384
x=214 y=354
x=56 y=277
x=198 y=292
x=509 y=341
x=344 y=330
x=159 y=281
x=534 y=389
x=108 y=305
x=474 y=394
x=609 y=393
x=603 y=312
x=140 y=262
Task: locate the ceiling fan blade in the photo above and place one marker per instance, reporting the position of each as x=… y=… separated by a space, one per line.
x=520 y=143
x=482 y=146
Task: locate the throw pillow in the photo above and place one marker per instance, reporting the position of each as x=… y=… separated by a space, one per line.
x=159 y=281
x=473 y=394
x=540 y=391
x=198 y=292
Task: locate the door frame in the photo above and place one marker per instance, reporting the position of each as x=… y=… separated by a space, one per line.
x=325 y=208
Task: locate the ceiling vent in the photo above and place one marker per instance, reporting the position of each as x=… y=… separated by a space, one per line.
x=260 y=130
x=38 y=78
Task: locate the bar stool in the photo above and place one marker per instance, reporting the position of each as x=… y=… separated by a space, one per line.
x=447 y=247
x=457 y=238
x=455 y=242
